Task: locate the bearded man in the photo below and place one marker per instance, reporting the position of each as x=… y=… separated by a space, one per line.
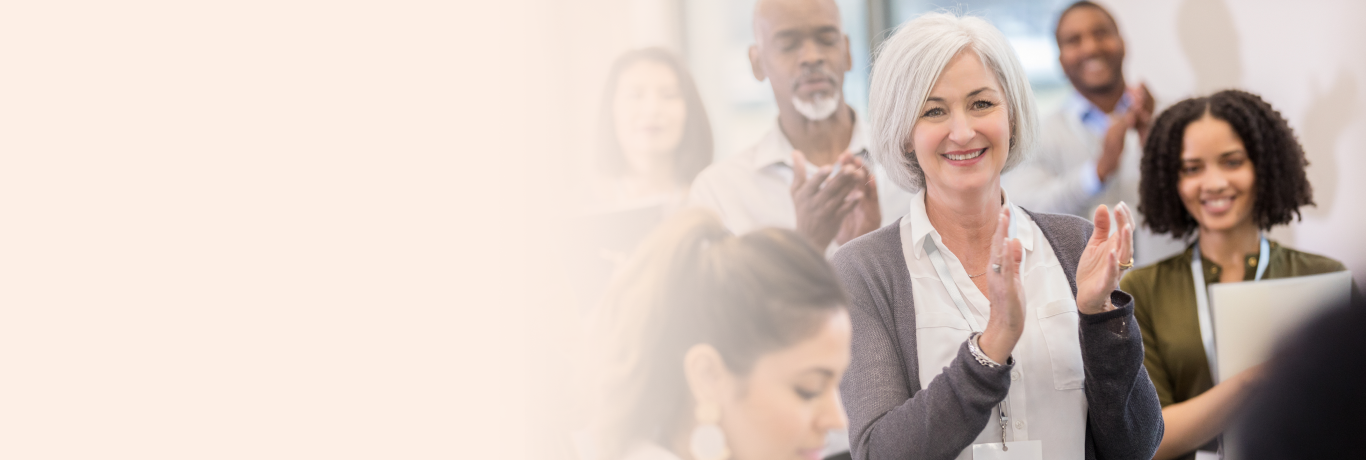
x=810 y=172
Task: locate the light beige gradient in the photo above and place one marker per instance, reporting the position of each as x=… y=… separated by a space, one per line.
x=278 y=229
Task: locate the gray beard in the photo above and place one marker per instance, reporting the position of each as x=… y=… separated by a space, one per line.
x=818 y=109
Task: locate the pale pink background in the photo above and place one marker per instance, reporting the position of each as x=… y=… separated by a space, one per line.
x=274 y=229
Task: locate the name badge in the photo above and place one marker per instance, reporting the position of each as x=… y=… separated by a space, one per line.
x=1017 y=450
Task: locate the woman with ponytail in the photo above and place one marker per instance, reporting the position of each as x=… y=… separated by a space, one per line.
x=720 y=347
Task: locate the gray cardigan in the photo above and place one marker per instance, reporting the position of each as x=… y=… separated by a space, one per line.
x=892 y=417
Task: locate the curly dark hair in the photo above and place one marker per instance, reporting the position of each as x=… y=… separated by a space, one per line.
x=1277 y=160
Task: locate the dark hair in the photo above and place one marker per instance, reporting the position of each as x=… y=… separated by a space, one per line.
x=693 y=282
x=694 y=151
x=1057 y=24
x=1277 y=160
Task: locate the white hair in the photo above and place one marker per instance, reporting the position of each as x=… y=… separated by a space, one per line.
x=905 y=69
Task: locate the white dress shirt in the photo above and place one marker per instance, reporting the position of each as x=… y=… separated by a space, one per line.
x=751 y=189
x=1060 y=174
x=1046 y=399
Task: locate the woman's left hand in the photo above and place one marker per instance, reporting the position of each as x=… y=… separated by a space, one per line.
x=1098 y=272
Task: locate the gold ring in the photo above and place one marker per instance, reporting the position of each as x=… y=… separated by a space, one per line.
x=1127 y=265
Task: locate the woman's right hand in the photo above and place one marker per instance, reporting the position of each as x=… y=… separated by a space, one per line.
x=1006 y=294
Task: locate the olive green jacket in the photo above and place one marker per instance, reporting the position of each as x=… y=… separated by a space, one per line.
x=1164 y=305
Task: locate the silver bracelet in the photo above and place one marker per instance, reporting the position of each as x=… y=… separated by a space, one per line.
x=977 y=352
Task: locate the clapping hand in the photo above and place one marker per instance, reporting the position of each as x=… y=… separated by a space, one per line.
x=1138 y=117
x=867 y=216
x=1140 y=114
x=1006 y=291
x=823 y=201
x=1099 y=270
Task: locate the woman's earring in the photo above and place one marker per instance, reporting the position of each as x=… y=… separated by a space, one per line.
x=708 y=442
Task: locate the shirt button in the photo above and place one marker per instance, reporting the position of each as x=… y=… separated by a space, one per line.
x=1252 y=262
x=1015 y=375
x=1019 y=424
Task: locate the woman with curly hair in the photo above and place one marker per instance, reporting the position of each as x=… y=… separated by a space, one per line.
x=1221 y=169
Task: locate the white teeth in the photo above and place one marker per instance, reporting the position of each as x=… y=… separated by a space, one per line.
x=966 y=156
x=1219 y=203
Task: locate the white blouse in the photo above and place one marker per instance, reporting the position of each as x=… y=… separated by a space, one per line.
x=1046 y=399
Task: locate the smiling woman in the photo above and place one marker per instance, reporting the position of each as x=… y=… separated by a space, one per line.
x=964 y=117
x=980 y=327
x=1224 y=168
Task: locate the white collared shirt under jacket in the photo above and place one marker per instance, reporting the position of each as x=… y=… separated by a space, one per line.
x=1046 y=400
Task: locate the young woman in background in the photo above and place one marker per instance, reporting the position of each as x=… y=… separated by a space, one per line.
x=1224 y=168
x=720 y=347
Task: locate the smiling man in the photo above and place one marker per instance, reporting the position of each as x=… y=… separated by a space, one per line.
x=1089 y=150
x=810 y=172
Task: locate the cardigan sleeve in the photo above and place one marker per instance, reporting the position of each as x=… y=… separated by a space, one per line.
x=1124 y=416
x=890 y=417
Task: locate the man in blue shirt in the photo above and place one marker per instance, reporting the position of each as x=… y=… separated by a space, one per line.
x=1089 y=150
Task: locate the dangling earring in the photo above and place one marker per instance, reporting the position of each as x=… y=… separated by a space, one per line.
x=708 y=442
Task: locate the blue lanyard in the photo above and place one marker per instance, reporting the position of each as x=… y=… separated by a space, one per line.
x=1202 y=300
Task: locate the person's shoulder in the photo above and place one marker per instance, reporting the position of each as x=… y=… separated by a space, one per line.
x=1058 y=130
x=721 y=178
x=731 y=163
x=1059 y=114
x=726 y=169
x=1306 y=263
x=1057 y=120
x=878 y=247
x=872 y=262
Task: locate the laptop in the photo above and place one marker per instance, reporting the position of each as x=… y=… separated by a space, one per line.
x=1252 y=318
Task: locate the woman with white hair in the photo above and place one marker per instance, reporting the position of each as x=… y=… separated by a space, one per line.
x=982 y=330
